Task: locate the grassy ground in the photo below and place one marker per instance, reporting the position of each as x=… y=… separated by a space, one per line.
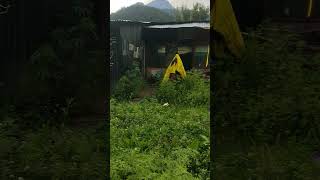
x=163 y=135
x=52 y=153
x=267 y=110
x=153 y=141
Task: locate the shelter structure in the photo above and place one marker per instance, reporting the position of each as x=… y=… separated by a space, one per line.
x=154 y=45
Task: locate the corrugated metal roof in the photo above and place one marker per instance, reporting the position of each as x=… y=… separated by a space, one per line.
x=185 y=25
x=129 y=21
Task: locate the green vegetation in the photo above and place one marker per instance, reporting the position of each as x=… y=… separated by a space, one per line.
x=67 y=68
x=198 y=13
x=64 y=77
x=267 y=110
x=192 y=91
x=150 y=140
x=130 y=84
x=51 y=153
x=140 y=12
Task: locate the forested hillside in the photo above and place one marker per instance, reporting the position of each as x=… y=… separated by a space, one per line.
x=140 y=12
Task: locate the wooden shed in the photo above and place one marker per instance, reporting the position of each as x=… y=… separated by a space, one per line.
x=154 y=45
x=126 y=46
x=162 y=41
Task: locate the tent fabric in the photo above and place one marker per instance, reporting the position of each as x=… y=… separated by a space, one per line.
x=176 y=65
x=310 y=8
x=207 y=60
x=224 y=22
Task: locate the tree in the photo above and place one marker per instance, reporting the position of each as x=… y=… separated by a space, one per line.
x=183 y=14
x=198 y=13
x=140 y=12
x=57 y=41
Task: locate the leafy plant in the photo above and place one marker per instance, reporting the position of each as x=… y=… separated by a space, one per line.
x=266 y=104
x=130 y=84
x=150 y=140
x=192 y=91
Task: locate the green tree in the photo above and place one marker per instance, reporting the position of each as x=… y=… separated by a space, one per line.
x=183 y=14
x=140 y=12
x=199 y=12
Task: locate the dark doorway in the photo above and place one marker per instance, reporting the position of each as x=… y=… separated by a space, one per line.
x=187 y=60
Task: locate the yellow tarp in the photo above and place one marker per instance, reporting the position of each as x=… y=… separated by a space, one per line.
x=224 y=22
x=310 y=8
x=176 y=65
x=207 y=60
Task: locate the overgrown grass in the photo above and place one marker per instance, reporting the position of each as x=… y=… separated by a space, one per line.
x=129 y=85
x=262 y=101
x=192 y=91
x=150 y=140
x=278 y=161
x=51 y=153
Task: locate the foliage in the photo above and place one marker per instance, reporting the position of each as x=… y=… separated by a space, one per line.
x=69 y=65
x=130 y=84
x=291 y=161
x=192 y=91
x=158 y=142
x=270 y=91
x=50 y=153
x=261 y=101
x=198 y=13
x=140 y=12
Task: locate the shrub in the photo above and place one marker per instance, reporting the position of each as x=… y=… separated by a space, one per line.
x=51 y=153
x=272 y=91
x=290 y=161
x=192 y=91
x=158 y=142
x=261 y=101
x=130 y=84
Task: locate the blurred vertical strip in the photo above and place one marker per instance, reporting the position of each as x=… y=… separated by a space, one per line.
x=310 y=8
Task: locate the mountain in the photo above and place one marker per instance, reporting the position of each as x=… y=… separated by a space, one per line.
x=160 y=4
x=140 y=12
x=187 y=3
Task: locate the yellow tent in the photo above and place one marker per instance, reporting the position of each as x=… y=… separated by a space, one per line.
x=208 y=54
x=176 y=65
x=224 y=22
x=310 y=8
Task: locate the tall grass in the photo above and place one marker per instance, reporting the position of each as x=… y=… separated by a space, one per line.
x=267 y=109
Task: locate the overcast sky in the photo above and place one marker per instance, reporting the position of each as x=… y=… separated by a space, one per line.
x=115 y=5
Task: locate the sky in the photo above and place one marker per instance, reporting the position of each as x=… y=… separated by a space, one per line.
x=115 y=5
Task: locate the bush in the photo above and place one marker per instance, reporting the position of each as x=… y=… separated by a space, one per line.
x=272 y=91
x=291 y=161
x=69 y=63
x=151 y=141
x=51 y=153
x=192 y=91
x=130 y=84
x=267 y=107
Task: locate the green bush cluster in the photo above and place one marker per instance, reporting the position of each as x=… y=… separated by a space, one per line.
x=51 y=153
x=69 y=64
x=152 y=141
x=266 y=97
x=272 y=91
x=130 y=84
x=194 y=90
x=290 y=161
